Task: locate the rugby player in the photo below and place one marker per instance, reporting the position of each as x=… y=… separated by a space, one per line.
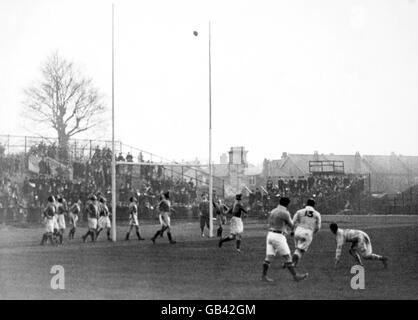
x=306 y=222
x=75 y=210
x=165 y=209
x=48 y=214
x=104 y=220
x=62 y=210
x=361 y=245
x=133 y=218
x=92 y=214
x=279 y=220
x=204 y=214
x=236 y=225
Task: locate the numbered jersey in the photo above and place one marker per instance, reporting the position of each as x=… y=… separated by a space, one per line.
x=307 y=218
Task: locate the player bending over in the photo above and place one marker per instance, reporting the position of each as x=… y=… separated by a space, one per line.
x=279 y=220
x=133 y=218
x=164 y=208
x=306 y=223
x=48 y=214
x=75 y=210
x=92 y=214
x=237 y=227
x=104 y=220
x=360 y=245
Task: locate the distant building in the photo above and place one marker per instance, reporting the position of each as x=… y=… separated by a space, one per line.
x=388 y=174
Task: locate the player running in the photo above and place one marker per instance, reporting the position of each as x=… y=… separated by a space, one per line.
x=104 y=220
x=75 y=210
x=133 y=218
x=92 y=214
x=164 y=208
x=279 y=220
x=306 y=223
x=361 y=245
x=204 y=214
x=48 y=214
x=236 y=225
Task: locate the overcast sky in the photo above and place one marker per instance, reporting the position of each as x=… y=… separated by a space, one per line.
x=294 y=76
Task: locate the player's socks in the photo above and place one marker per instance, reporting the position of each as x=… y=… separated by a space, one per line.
x=238 y=244
x=155 y=236
x=127 y=236
x=266 y=266
x=60 y=236
x=44 y=238
x=93 y=236
x=139 y=236
x=170 y=238
x=296 y=276
x=108 y=235
x=49 y=237
x=219 y=232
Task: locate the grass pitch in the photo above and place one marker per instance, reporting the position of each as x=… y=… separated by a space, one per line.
x=195 y=268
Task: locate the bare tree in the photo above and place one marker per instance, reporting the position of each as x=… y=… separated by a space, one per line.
x=64 y=100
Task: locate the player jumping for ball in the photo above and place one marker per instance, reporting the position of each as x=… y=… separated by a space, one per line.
x=164 y=208
x=237 y=227
x=133 y=218
x=361 y=245
x=307 y=222
x=279 y=220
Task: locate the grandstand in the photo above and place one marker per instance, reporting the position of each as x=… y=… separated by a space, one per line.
x=32 y=168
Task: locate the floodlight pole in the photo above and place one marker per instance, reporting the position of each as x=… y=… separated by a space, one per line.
x=210 y=144
x=113 y=131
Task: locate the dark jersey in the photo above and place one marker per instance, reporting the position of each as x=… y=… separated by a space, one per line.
x=61 y=209
x=92 y=211
x=204 y=208
x=49 y=211
x=238 y=209
x=164 y=206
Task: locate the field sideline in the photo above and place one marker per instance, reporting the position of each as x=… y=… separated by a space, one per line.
x=195 y=268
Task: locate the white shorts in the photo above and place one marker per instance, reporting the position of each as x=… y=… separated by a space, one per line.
x=73 y=219
x=61 y=221
x=363 y=246
x=55 y=221
x=92 y=223
x=236 y=226
x=166 y=222
x=49 y=225
x=303 y=238
x=133 y=221
x=104 y=222
x=276 y=244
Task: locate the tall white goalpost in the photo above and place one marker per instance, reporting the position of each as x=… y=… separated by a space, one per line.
x=113 y=131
